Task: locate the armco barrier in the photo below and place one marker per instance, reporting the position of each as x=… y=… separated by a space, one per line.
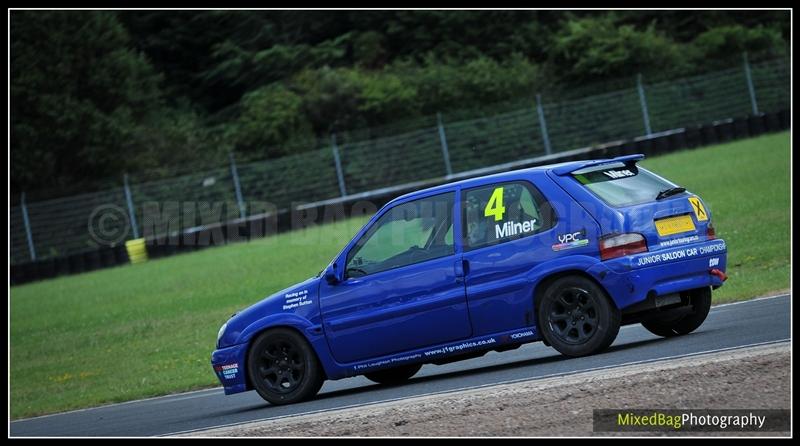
x=689 y=137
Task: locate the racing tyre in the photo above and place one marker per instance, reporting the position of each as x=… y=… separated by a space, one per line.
x=395 y=375
x=700 y=300
x=577 y=317
x=283 y=367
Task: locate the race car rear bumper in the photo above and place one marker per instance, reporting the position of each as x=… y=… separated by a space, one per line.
x=632 y=279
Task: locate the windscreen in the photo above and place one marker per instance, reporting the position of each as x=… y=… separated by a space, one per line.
x=620 y=184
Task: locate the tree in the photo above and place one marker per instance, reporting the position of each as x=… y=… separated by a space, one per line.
x=592 y=48
x=78 y=92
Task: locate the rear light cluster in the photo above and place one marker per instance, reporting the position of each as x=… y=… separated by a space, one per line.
x=711 y=233
x=619 y=245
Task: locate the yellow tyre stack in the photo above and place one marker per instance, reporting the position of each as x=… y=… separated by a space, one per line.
x=137 y=251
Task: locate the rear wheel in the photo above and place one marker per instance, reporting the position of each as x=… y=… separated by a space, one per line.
x=283 y=367
x=577 y=317
x=395 y=375
x=700 y=301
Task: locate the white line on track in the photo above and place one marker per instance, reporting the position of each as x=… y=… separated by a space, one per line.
x=752 y=300
x=721 y=308
x=461 y=389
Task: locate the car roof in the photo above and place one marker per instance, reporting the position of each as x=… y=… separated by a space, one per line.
x=558 y=168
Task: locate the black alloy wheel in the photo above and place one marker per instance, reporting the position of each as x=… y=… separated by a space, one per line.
x=576 y=316
x=283 y=367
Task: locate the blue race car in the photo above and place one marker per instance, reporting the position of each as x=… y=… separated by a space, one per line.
x=563 y=254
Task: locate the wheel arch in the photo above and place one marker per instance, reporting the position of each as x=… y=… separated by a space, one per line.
x=546 y=281
x=256 y=333
x=591 y=344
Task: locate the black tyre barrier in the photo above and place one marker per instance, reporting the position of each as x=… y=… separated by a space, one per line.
x=755 y=124
x=661 y=144
x=643 y=146
x=121 y=255
x=76 y=264
x=772 y=122
x=92 y=260
x=107 y=257
x=677 y=140
x=48 y=268
x=156 y=247
x=62 y=266
x=21 y=272
x=611 y=150
x=694 y=136
x=741 y=129
x=617 y=150
x=724 y=130
x=256 y=227
x=708 y=135
x=628 y=148
x=784 y=119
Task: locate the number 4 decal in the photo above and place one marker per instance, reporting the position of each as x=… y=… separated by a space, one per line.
x=495 y=205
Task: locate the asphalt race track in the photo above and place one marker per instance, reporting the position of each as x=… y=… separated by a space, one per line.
x=728 y=326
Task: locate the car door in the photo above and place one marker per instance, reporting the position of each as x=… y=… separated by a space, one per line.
x=508 y=229
x=402 y=286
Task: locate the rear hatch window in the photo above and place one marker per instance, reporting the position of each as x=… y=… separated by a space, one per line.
x=621 y=184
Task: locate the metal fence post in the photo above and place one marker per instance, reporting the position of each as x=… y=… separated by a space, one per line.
x=131 y=212
x=27 y=222
x=443 y=140
x=339 y=172
x=237 y=188
x=643 y=103
x=543 y=124
x=750 y=87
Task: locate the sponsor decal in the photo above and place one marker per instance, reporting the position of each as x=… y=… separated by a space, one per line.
x=685 y=253
x=614 y=174
x=714 y=261
x=459 y=347
x=228 y=371
x=522 y=334
x=508 y=228
x=382 y=362
x=699 y=210
x=296 y=299
x=680 y=241
x=447 y=349
x=467 y=345
x=571 y=240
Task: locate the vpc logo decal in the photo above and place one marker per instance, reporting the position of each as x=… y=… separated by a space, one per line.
x=571 y=240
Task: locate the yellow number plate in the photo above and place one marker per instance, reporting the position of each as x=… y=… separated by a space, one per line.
x=674 y=225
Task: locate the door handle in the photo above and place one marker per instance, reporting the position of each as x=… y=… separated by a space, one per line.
x=461 y=268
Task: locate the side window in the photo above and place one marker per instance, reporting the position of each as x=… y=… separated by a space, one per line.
x=502 y=212
x=409 y=233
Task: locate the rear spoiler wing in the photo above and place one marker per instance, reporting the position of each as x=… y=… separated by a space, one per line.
x=572 y=167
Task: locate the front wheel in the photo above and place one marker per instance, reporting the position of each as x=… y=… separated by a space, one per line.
x=395 y=375
x=283 y=367
x=577 y=317
x=700 y=301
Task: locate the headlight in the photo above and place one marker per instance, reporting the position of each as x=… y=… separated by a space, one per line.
x=221 y=331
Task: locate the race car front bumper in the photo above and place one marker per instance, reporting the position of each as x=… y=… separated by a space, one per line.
x=229 y=366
